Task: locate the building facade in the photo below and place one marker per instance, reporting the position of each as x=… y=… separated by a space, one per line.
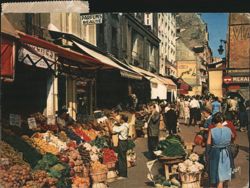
x=128 y=39
x=238 y=54
x=167 y=34
x=192 y=45
x=60 y=91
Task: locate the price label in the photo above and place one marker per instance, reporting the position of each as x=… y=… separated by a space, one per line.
x=15 y=120
x=51 y=120
x=32 y=123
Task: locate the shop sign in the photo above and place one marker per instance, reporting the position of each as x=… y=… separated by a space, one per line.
x=48 y=54
x=241 y=79
x=51 y=120
x=88 y=19
x=15 y=120
x=227 y=79
x=42 y=57
x=32 y=123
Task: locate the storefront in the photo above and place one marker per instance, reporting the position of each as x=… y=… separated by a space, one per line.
x=237 y=84
x=162 y=88
x=47 y=78
x=112 y=84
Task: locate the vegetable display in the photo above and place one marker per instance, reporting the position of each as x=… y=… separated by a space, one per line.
x=71 y=135
x=55 y=169
x=191 y=165
x=80 y=182
x=7 y=152
x=84 y=154
x=109 y=156
x=97 y=167
x=30 y=154
x=78 y=131
x=14 y=177
x=172 y=146
x=101 y=142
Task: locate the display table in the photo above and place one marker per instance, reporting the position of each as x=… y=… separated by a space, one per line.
x=169 y=163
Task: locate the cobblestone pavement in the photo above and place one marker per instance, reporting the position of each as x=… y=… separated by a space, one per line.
x=137 y=176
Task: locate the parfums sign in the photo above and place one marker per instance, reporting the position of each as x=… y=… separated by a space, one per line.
x=88 y=19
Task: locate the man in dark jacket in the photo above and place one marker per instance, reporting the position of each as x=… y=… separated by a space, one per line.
x=153 y=130
x=171 y=120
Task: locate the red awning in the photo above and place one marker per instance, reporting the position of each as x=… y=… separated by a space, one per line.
x=62 y=52
x=7 y=57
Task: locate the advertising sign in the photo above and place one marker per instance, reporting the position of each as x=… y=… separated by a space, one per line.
x=187 y=71
x=239 y=43
x=88 y=19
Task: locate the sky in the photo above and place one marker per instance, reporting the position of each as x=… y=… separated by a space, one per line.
x=217 y=29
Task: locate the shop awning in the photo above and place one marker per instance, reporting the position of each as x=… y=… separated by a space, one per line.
x=62 y=52
x=96 y=53
x=155 y=78
x=105 y=59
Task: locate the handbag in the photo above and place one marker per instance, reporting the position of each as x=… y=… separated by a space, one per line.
x=234 y=149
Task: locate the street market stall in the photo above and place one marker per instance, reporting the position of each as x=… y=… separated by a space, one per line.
x=42 y=154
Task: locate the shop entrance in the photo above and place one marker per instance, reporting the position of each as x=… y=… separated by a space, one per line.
x=27 y=94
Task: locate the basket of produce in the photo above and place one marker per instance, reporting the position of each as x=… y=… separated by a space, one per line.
x=80 y=182
x=190 y=170
x=188 y=177
x=109 y=158
x=98 y=172
x=172 y=147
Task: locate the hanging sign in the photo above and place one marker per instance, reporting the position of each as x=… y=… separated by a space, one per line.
x=32 y=123
x=15 y=120
x=88 y=19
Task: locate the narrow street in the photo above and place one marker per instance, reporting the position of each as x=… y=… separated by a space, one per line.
x=138 y=174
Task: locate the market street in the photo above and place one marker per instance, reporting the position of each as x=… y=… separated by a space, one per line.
x=137 y=176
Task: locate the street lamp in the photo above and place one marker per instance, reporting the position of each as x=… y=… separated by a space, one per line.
x=221 y=50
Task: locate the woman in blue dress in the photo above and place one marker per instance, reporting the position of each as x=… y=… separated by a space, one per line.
x=220 y=160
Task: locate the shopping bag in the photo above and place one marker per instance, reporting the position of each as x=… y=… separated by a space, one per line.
x=234 y=149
